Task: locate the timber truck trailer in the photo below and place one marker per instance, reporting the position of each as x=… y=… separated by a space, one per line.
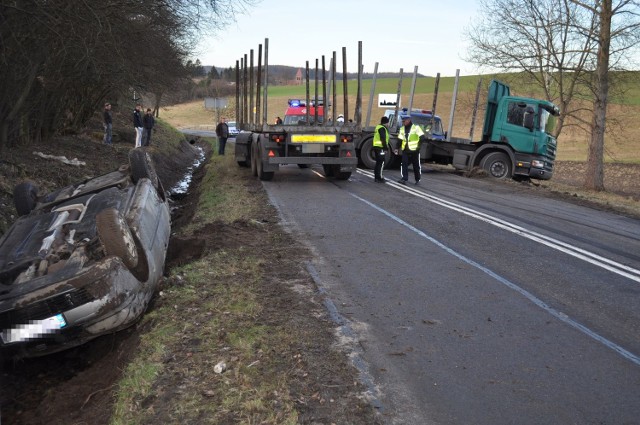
x=517 y=137
x=314 y=140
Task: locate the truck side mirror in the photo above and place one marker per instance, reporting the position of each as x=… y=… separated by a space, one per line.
x=528 y=121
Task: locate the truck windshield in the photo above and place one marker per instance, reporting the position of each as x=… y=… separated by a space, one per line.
x=547 y=121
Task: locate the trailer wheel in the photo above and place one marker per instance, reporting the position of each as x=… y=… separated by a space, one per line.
x=343 y=175
x=328 y=170
x=497 y=164
x=262 y=175
x=116 y=238
x=25 y=197
x=340 y=175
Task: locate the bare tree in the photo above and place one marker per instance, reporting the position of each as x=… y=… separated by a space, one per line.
x=559 y=45
x=59 y=61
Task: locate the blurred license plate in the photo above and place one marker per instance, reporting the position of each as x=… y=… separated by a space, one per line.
x=34 y=329
x=312 y=148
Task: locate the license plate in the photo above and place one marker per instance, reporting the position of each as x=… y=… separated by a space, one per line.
x=33 y=330
x=312 y=148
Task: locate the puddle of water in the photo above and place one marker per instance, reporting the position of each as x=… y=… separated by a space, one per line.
x=181 y=188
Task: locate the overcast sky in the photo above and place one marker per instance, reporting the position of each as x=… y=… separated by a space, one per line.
x=396 y=34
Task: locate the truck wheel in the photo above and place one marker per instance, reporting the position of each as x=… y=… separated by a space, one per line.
x=328 y=170
x=392 y=160
x=25 y=197
x=116 y=238
x=497 y=165
x=262 y=175
x=254 y=156
x=367 y=155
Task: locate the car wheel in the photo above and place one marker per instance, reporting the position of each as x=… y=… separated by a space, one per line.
x=497 y=164
x=116 y=237
x=25 y=197
x=142 y=167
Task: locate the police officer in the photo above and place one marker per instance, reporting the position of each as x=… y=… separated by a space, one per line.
x=409 y=135
x=380 y=146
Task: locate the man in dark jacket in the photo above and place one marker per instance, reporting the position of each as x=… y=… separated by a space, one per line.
x=222 y=131
x=148 y=122
x=380 y=145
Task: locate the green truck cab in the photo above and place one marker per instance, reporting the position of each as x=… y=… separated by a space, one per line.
x=517 y=139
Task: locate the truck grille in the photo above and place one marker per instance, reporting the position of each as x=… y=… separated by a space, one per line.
x=551 y=148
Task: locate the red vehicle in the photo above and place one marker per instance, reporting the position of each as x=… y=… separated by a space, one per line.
x=297 y=112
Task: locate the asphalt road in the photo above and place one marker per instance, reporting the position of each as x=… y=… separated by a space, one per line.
x=468 y=301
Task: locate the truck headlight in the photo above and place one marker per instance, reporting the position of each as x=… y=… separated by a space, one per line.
x=537 y=163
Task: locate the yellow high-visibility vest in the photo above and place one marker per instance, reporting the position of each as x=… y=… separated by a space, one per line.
x=414 y=137
x=377 y=142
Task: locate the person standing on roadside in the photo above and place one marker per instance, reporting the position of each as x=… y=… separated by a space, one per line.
x=222 y=131
x=107 y=124
x=380 y=146
x=409 y=135
x=137 y=125
x=148 y=122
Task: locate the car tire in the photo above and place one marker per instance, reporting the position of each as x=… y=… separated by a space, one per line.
x=116 y=237
x=25 y=197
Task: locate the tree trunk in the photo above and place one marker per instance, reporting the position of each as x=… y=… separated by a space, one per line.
x=594 y=178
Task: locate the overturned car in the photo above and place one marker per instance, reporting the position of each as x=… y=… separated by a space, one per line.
x=82 y=261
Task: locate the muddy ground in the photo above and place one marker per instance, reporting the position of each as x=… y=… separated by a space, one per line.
x=76 y=386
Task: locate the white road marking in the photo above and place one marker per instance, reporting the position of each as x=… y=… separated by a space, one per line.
x=535 y=300
x=590 y=257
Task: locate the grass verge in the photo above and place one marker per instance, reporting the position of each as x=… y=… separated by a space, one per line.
x=206 y=316
x=248 y=303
